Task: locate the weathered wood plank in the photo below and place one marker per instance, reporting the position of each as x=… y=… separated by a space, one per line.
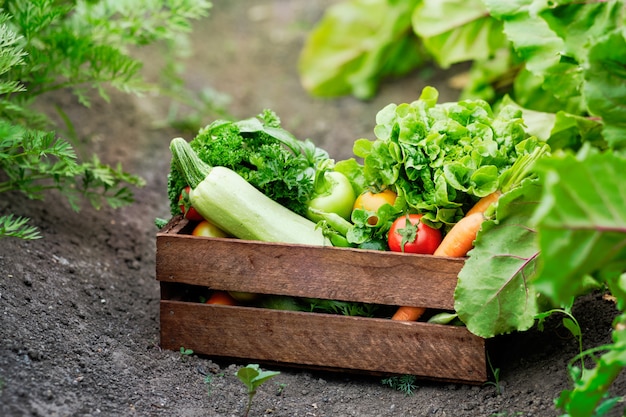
x=313 y=339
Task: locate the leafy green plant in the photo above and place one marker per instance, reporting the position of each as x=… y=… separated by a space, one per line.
x=546 y=71
x=589 y=397
x=593 y=403
x=82 y=46
x=16 y=227
x=253 y=377
x=562 y=64
x=569 y=67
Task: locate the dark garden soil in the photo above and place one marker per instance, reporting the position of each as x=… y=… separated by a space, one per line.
x=79 y=309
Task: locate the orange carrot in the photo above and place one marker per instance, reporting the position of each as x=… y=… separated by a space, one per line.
x=405 y=313
x=460 y=239
x=483 y=204
x=457 y=242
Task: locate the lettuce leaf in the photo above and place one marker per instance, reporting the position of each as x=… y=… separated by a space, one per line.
x=441 y=157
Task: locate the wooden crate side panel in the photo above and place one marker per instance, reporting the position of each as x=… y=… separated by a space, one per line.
x=307 y=271
x=328 y=341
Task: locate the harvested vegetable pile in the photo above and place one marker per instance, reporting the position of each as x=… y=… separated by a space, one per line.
x=412 y=190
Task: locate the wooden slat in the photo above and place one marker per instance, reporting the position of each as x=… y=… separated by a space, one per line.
x=308 y=271
x=329 y=341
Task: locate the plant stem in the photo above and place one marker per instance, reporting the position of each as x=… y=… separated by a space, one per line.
x=249 y=405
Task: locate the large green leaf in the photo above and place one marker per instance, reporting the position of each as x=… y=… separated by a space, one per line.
x=457 y=30
x=561 y=130
x=581 y=222
x=531 y=36
x=568 y=47
x=605 y=87
x=541 y=49
x=493 y=295
x=580 y=24
x=356 y=44
x=571 y=132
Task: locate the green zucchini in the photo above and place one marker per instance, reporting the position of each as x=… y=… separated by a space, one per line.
x=225 y=198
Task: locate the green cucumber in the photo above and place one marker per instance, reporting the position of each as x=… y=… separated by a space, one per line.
x=226 y=199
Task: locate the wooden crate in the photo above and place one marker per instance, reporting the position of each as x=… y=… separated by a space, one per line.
x=186 y=264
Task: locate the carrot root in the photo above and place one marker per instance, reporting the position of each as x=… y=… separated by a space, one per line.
x=460 y=239
x=484 y=203
x=406 y=313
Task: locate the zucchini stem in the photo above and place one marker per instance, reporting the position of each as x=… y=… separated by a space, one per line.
x=193 y=169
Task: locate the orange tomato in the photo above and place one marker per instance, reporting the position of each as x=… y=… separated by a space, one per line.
x=206 y=228
x=371 y=201
x=222 y=298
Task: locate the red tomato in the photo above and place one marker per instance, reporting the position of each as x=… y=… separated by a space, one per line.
x=189 y=212
x=371 y=201
x=408 y=234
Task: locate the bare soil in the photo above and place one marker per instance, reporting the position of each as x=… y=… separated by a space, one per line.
x=79 y=326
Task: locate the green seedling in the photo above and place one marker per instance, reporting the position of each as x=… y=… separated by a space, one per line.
x=281 y=388
x=252 y=377
x=184 y=352
x=208 y=380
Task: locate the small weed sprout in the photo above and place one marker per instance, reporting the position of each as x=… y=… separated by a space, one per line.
x=252 y=377
x=402 y=383
x=496 y=377
x=569 y=322
x=208 y=379
x=281 y=388
x=184 y=352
